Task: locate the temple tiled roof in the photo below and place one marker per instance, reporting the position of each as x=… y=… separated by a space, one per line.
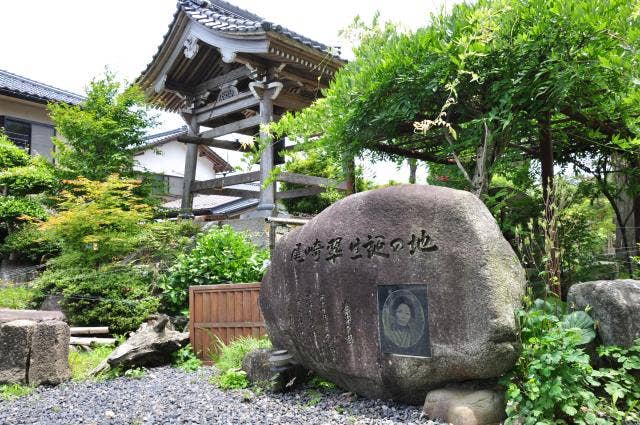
x=25 y=88
x=222 y=16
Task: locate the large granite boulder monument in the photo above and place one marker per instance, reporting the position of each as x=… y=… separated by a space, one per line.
x=394 y=292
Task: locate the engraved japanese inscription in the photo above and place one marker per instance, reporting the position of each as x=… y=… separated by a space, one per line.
x=403 y=320
x=361 y=248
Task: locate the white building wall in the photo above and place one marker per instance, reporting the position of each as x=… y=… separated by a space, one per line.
x=170 y=161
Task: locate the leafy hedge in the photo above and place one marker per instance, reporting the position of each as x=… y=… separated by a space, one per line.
x=120 y=297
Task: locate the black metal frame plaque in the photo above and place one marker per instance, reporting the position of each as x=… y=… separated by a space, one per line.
x=403 y=320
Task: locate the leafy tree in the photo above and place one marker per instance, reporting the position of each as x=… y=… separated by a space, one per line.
x=493 y=82
x=98 y=221
x=100 y=134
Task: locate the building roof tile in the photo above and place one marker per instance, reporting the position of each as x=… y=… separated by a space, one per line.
x=223 y=16
x=22 y=87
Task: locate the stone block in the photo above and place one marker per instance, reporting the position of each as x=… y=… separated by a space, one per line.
x=49 y=359
x=15 y=347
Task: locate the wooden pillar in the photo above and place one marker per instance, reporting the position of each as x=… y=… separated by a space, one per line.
x=190 y=163
x=267 y=205
x=266 y=93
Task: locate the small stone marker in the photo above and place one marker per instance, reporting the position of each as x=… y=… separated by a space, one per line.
x=393 y=292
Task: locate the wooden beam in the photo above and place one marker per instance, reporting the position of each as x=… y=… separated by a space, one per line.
x=75 y=340
x=176 y=86
x=93 y=330
x=213 y=110
x=215 y=143
x=309 y=180
x=300 y=193
x=233 y=127
x=229 y=191
x=313 y=84
x=221 y=182
x=291 y=102
x=216 y=82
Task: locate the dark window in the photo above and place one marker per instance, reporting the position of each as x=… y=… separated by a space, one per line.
x=18 y=131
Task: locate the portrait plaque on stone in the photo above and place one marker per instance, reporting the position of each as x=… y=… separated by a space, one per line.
x=403 y=320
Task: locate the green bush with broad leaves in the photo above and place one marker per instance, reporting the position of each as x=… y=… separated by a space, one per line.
x=186 y=359
x=620 y=383
x=554 y=382
x=17 y=210
x=220 y=256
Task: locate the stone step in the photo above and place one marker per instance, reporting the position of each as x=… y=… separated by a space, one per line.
x=8 y=315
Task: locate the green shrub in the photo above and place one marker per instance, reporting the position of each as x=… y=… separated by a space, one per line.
x=11 y=155
x=620 y=383
x=116 y=296
x=31 y=244
x=553 y=381
x=15 y=210
x=16 y=297
x=231 y=355
x=35 y=177
x=232 y=379
x=186 y=359
x=229 y=361
x=162 y=242
x=220 y=256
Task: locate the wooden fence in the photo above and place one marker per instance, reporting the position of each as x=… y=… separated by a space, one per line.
x=223 y=311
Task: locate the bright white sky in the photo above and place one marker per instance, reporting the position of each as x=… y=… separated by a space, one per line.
x=66 y=43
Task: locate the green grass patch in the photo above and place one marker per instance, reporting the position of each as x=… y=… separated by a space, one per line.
x=13 y=391
x=83 y=362
x=231 y=355
x=229 y=361
x=16 y=297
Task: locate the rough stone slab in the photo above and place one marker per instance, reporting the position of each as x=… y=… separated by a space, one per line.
x=8 y=315
x=462 y=406
x=15 y=346
x=256 y=364
x=394 y=292
x=615 y=306
x=49 y=361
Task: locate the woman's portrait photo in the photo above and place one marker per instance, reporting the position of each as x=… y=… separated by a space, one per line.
x=403 y=319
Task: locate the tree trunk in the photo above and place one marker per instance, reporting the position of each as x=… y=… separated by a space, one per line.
x=552 y=242
x=413 y=166
x=349 y=171
x=624 y=206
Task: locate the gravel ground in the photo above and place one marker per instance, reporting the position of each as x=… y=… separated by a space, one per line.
x=170 y=396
